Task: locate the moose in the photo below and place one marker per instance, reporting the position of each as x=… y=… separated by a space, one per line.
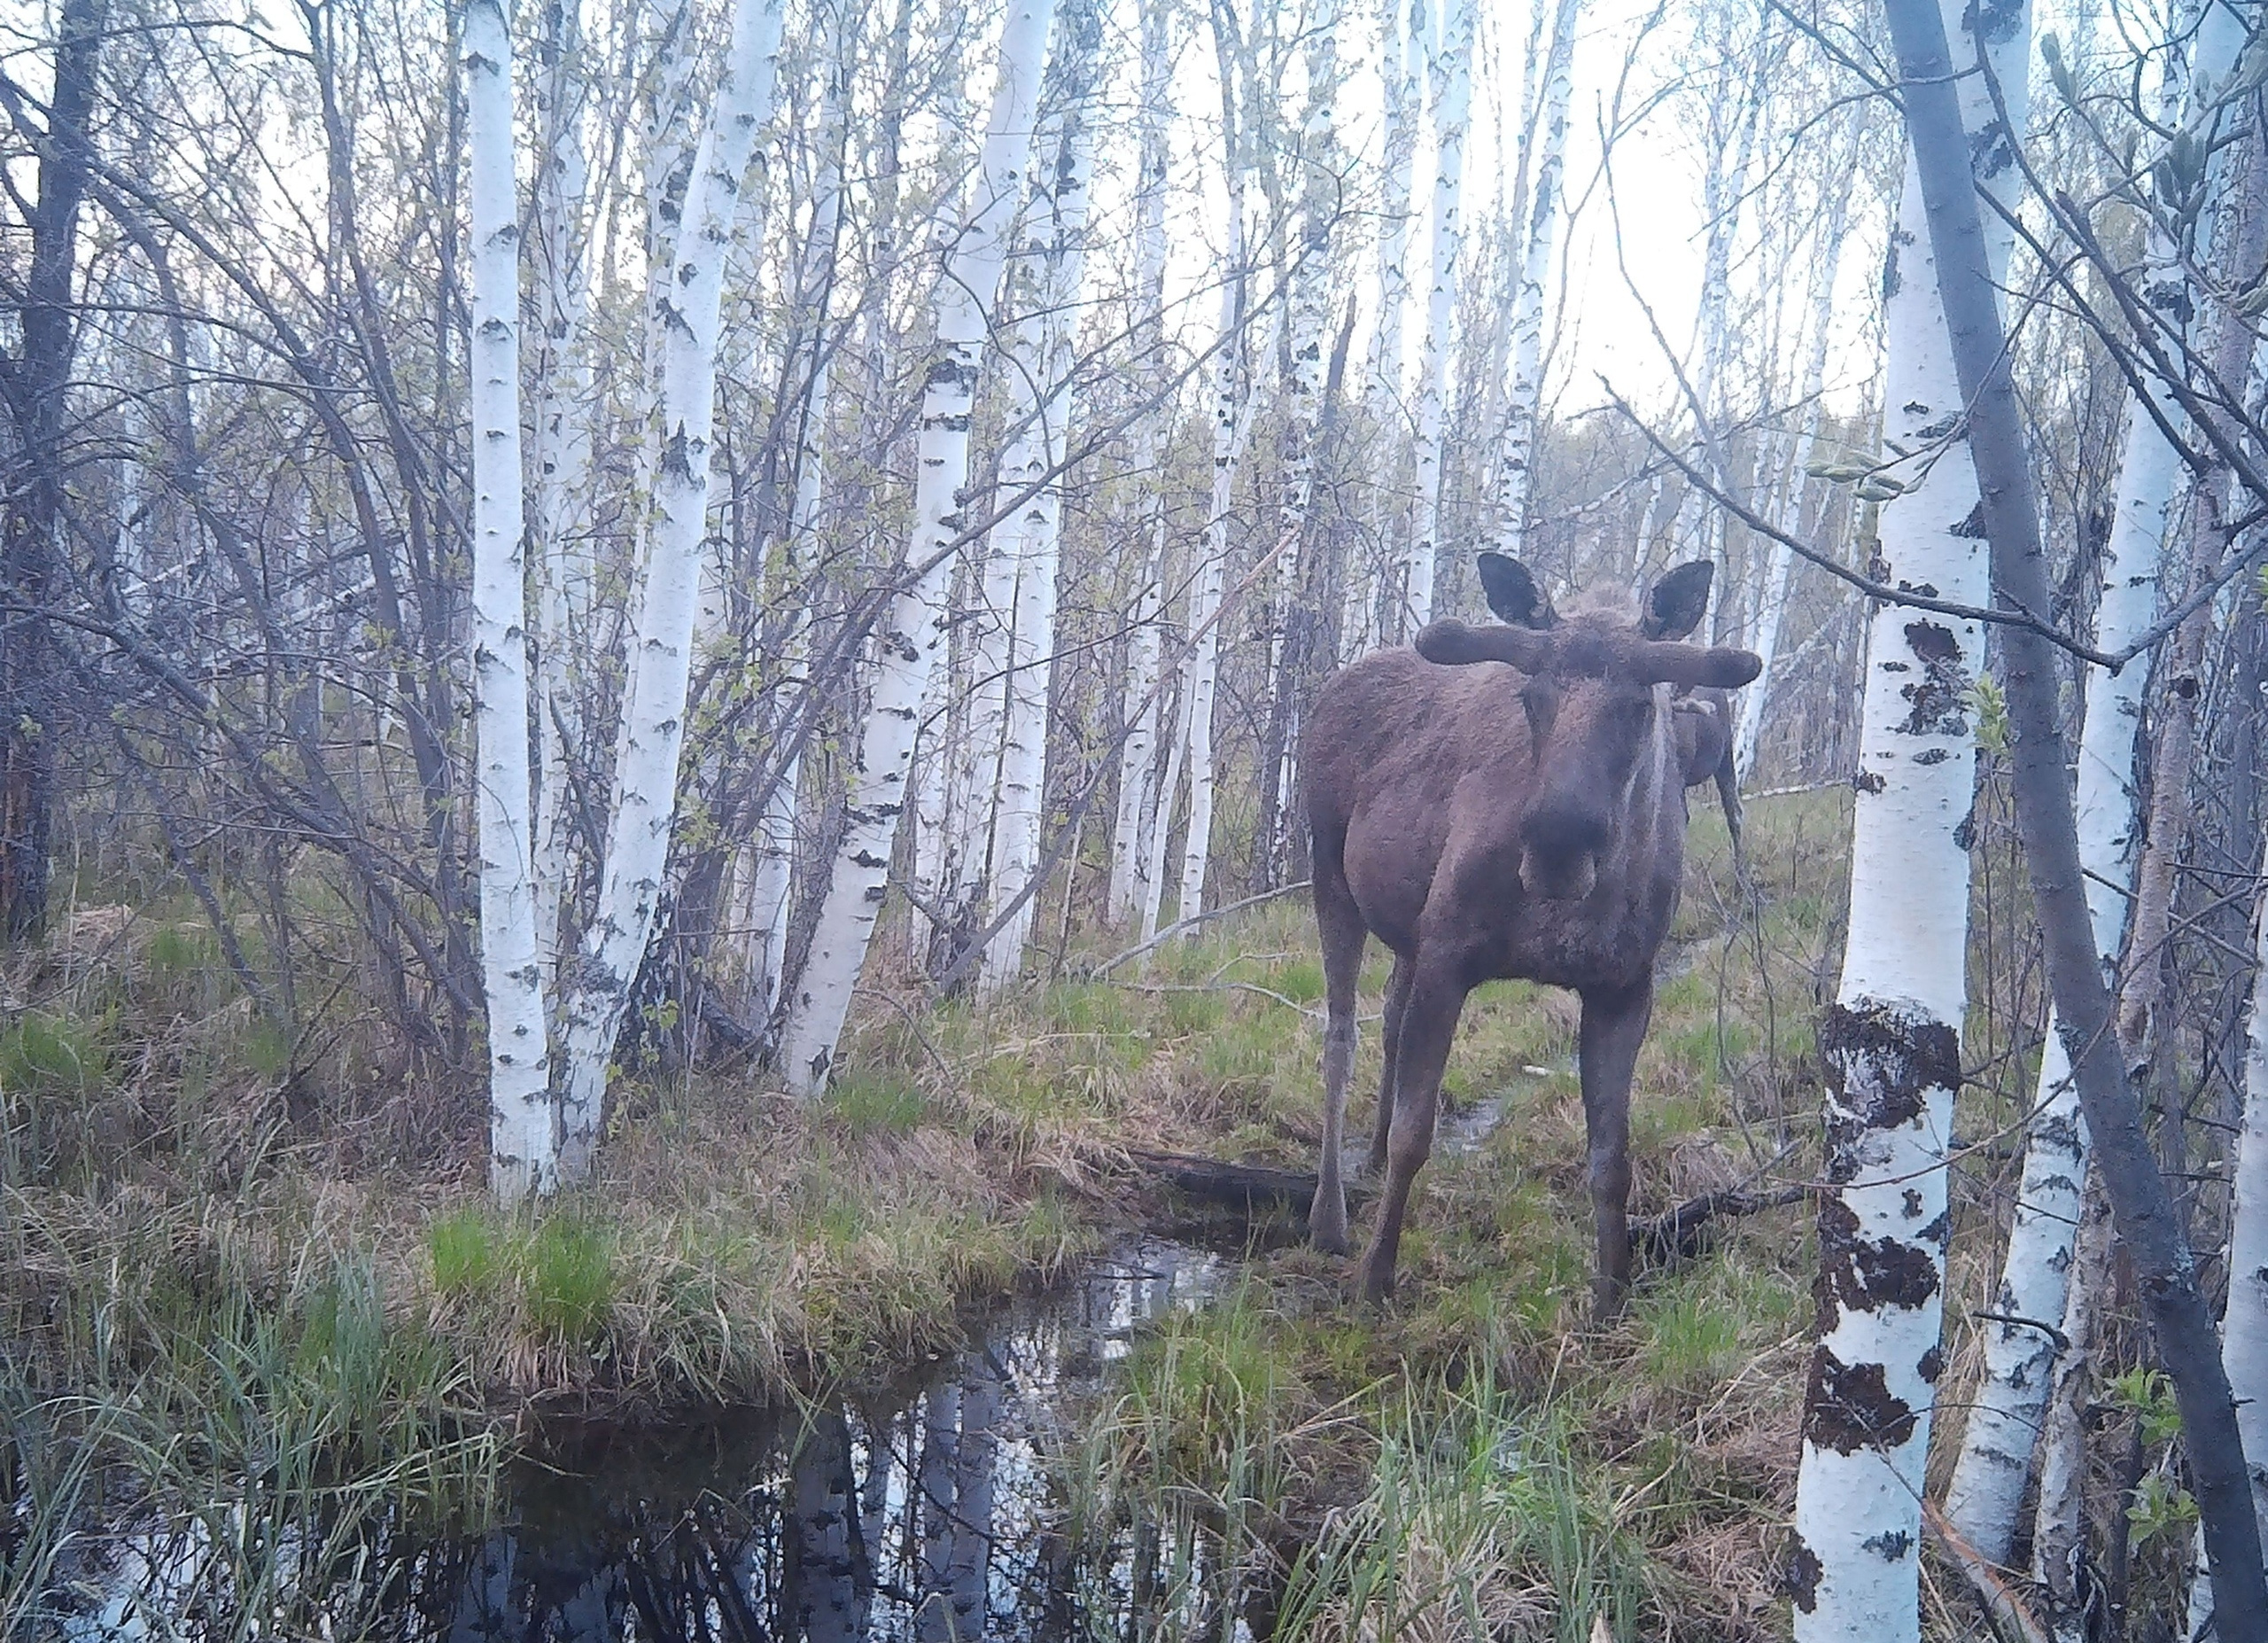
x=1505 y=801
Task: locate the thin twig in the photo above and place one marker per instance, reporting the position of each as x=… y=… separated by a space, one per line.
x=1866 y=585
x=1993 y=1588
x=1174 y=929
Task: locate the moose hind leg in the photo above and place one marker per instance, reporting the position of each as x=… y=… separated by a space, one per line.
x=1428 y=1024
x=1340 y=923
x=1614 y=1025
x=1397 y=1000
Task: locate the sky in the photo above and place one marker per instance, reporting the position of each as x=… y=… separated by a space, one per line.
x=1657 y=165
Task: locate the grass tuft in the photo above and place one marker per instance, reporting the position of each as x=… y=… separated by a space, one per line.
x=470 y=1252
x=53 y=1056
x=569 y=1285
x=867 y=1103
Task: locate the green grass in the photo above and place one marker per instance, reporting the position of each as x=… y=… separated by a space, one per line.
x=736 y=1245
x=569 y=1285
x=1478 y=1520
x=470 y=1253
x=55 y=1056
x=867 y=1104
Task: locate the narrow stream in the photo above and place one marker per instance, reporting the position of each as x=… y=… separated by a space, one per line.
x=928 y=1510
x=931 y=1508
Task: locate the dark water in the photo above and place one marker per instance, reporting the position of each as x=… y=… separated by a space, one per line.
x=932 y=1510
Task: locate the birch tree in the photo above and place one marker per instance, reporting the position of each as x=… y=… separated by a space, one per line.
x=1045 y=340
x=2244 y=1324
x=520 y=1116
x=1514 y=473
x=1139 y=810
x=1452 y=84
x=2009 y=1406
x=39 y=382
x=643 y=804
x=1401 y=68
x=2148 y=1220
x=1891 y=1039
x=1231 y=425
x=565 y=403
x=916 y=631
x=1748 y=707
x=772 y=850
x=1291 y=634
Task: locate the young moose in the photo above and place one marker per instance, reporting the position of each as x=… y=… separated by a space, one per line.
x=1497 y=802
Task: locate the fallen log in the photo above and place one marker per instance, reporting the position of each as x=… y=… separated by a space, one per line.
x=1676 y=1234
x=1246 y=1187
x=1680 y=1233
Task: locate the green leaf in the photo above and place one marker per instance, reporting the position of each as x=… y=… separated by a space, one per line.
x=2161 y=1512
x=1991 y=707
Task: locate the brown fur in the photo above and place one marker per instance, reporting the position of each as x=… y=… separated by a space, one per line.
x=1704 y=721
x=1484 y=821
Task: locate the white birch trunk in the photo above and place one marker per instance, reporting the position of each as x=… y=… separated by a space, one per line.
x=1515 y=474
x=1045 y=340
x=644 y=798
x=2059 y=1541
x=1138 y=772
x=522 y=1159
x=2244 y=1325
x=772 y=870
x=2009 y=1406
x=1722 y=191
x=915 y=628
x=1996 y=1451
x=940 y=775
x=1153 y=883
x=1311 y=300
x=1401 y=68
x=669 y=24
x=1452 y=80
x=1231 y=419
x=1892 y=1040
x=565 y=403
x=1748 y=707
x=1138 y=764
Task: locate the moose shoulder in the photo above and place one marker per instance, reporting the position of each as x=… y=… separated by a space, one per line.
x=1505 y=801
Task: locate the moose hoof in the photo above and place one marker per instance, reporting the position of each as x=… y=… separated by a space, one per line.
x=1327 y=1223
x=1374 y=1284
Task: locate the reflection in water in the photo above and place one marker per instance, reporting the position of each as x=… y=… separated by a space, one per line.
x=924 y=1514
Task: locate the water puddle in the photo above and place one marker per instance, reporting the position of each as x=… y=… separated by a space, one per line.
x=930 y=1510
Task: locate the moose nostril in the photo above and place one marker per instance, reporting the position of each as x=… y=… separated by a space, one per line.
x=1566 y=832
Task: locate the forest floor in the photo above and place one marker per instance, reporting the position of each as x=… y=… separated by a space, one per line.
x=181 y=1237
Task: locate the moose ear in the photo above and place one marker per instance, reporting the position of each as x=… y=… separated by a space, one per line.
x=1675 y=604
x=1512 y=593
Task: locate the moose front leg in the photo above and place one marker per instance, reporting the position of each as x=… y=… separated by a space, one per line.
x=1614 y=1025
x=1428 y=1025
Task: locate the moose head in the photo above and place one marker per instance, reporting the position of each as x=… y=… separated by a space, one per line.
x=1594 y=705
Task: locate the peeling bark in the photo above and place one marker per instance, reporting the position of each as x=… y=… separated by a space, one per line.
x=1891 y=1043
x=2148 y=1224
x=522 y=1150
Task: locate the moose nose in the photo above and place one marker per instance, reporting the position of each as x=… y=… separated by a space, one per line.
x=1560 y=861
x=1565 y=831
